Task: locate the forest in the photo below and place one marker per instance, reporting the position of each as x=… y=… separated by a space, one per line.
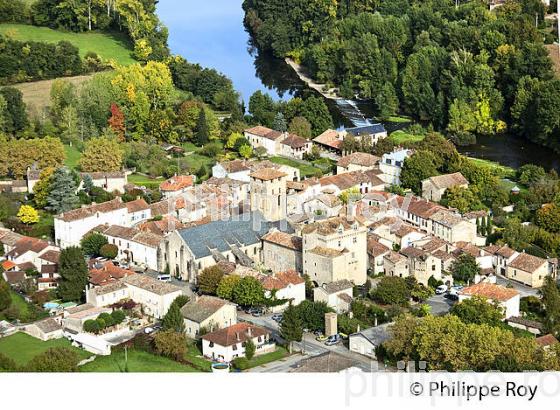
x=460 y=68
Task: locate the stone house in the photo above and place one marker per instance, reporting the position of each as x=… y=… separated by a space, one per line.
x=434 y=188
x=337 y=295
x=507 y=298
x=268 y=193
x=208 y=313
x=528 y=269
x=282 y=251
x=357 y=161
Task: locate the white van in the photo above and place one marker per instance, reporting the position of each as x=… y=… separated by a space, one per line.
x=164 y=278
x=441 y=289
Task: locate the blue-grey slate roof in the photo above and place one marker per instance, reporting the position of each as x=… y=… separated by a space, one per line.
x=366 y=130
x=220 y=234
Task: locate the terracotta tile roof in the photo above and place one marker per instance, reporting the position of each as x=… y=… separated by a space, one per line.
x=434 y=244
x=7 y=265
x=264 y=132
x=345 y=297
x=162 y=227
x=26 y=266
x=526 y=322
x=468 y=248
x=130 y=234
x=329 y=138
x=490 y=291
x=327 y=362
x=328 y=252
x=359 y=158
x=448 y=180
x=352 y=179
x=338 y=286
x=49 y=269
x=202 y=308
x=267 y=174
x=150 y=284
x=281 y=280
x=329 y=226
x=8 y=237
x=493 y=249
x=283 y=239
x=28 y=244
x=48 y=325
x=14 y=277
x=237 y=165
x=137 y=205
x=329 y=200
x=446 y=218
x=177 y=183
x=443 y=255
x=527 y=263
x=546 y=340
x=234 y=334
x=420 y=207
x=50 y=256
x=88 y=211
x=109 y=288
x=412 y=252
x=107 y=273
x=505 y=252
x=395 y=257
x=295 y=141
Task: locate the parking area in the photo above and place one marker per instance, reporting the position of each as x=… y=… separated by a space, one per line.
x=439 y=304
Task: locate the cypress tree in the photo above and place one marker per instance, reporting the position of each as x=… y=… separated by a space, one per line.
x=291 y=327
x=202 y=131
x=173 y=319
x=551 y=303
x=74 y=274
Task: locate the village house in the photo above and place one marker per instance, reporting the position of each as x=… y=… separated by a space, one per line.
x=295 y=146
x=45 y=329
x=288 y=285
x=483 y=258
x=299 y=192
x=507 y=298
x=370 y=134
x=138 y=211
x=330 y=140
x=74 y=318
x=376 y=252
x=70 y=227
x=135 y=246
x=268 y=193
x=360 y=181
x=422 y=265
x=394 y=232
x=528 y=269
x=434 y=188
x=101 y=273
x=323 y=205
x=208 y=313
x=237 y=239
x=357 y=161
x=177 y=185
x=337 y=295
x=395 y=264
x=502 y=257
x=335 y=249
x=108 y=181
x=260 y=136
x=239 y=169
x=365 y=342
x=391 y=166
x=185 y=208
x=154 y=296
x=229 y=343
x=282 y=251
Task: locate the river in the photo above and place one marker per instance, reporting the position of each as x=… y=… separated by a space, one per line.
x=212 y=34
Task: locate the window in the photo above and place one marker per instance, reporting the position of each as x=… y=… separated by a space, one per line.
x=211 y=344
x=234 y=347
x=259 y=339
x=355 y=240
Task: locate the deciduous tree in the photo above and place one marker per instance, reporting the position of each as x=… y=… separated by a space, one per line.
x=74 y=274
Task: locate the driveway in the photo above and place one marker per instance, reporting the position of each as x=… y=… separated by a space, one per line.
x=439 y=304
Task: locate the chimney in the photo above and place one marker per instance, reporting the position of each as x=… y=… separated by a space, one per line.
x=250 y=331
x=237 y=336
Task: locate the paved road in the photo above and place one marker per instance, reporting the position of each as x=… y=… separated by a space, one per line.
x=439 y=304
x=522 y=289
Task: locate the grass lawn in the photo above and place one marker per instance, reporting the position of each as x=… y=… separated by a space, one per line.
x=400 y=137
x=22 y=347
x=499 y=169
x=138 y=362
x=72 y=156
x=144 y=180
x=398 y=119
x=195 y=356
x=306 y=170
x=110 y=46
x=280 y=353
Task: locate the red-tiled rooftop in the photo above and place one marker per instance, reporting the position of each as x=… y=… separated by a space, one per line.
x=234 y=334
x=177 y=183
x=490 y=291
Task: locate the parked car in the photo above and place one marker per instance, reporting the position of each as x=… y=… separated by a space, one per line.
x=277 y=317
x=164 y=278
x=149 y=330
x=441 y=289
x=333 y=340
x=452 y=296
x=257 y=313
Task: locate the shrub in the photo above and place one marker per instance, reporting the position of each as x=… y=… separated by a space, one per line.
x=392 y=290
x=240 y=363
x=109 y=251
x=107 y=318
x=118 y=316
x=91 y=326
x=7 y=364
x=171 y=344
x=92 y=243
x=101 y=323
x=249 y=349
x=56 y=359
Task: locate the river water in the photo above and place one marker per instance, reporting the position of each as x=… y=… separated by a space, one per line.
x=212 y=34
